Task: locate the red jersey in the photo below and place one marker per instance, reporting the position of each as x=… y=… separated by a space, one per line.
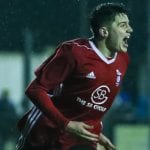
x=81 y=82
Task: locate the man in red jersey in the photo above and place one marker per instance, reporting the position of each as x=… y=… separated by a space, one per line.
x=76 y=86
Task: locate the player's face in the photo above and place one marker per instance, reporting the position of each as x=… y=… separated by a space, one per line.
x=119 y=33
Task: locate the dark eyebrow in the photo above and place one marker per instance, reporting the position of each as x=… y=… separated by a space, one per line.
x=122 y=22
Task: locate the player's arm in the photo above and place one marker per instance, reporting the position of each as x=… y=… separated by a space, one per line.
x=48 y=77
x=40 y=98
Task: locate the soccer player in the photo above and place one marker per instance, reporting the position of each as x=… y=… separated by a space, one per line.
x=76 y=86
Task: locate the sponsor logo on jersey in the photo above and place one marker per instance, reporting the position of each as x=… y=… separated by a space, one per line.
x=118 y=77
x=91 y=75
x=90 y=105
x=99 y=95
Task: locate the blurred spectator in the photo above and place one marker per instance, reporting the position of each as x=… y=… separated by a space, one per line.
x=8 y=118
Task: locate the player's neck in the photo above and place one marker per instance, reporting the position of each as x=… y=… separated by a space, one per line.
x=104 y=50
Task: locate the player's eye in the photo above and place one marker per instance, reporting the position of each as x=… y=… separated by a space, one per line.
x=123 y=25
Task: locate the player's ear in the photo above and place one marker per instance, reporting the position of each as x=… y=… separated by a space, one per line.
x=103 y=31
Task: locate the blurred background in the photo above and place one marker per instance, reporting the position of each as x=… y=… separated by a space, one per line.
x=30 y=30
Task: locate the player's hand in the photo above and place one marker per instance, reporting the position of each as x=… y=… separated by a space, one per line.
x=80 y=129
x=106 y=143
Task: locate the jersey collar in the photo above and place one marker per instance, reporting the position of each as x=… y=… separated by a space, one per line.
x=99 y=53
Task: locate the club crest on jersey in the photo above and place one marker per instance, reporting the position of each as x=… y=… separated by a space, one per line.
x=118 y=77
x=91 y=75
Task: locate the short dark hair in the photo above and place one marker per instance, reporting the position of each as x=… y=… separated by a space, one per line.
x=104 y=14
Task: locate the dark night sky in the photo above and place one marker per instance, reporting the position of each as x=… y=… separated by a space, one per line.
x=50 y=21
x=53 y=21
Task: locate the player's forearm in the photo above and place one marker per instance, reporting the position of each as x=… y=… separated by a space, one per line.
x=40 y=98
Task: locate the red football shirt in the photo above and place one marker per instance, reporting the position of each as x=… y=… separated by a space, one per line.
x=82 y=81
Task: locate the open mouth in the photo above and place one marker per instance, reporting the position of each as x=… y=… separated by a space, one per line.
x=125 y=41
